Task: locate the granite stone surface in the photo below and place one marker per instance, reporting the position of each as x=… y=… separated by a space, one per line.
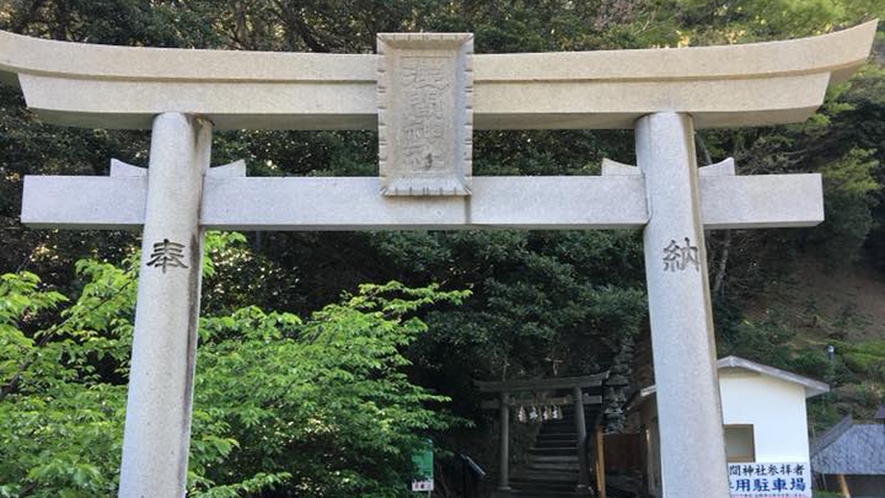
x=680 y=314
x=158 y=410
x=545 y=202
x=101 y=86
x=425 y=113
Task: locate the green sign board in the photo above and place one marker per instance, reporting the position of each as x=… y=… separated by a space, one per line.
x=422 y=464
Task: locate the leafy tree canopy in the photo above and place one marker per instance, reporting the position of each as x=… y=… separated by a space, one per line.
x=322 y=405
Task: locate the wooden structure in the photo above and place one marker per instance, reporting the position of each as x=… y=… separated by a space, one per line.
x=849 y=458
x=548 y=392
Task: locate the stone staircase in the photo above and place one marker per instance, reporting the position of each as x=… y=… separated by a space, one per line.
x=551 y=466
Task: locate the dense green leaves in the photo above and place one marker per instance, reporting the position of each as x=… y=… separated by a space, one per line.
x=322 y=405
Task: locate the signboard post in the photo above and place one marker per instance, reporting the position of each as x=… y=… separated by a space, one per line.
x=422 y=466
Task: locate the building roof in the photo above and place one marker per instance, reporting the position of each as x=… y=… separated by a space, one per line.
x=812 y=387
x=849 y=448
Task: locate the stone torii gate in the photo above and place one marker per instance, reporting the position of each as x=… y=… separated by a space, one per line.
x=425 y=93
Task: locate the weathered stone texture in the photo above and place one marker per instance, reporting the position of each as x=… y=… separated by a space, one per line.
x=425 y=113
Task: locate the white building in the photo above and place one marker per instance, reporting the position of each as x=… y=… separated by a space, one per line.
x=766 y=429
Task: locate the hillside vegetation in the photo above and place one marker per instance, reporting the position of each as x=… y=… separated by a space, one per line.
x=325 y=357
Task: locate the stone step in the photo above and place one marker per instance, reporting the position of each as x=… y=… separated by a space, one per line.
x=544 y=488
x=556 y=443
x=554 y=466
x=563 y=424
x=556 y=451
x=565 y=427
x=545 y=476
x=553 y=430
x=562 y=436
x=549 y=430
x=544 y=485
x=551 y=466
x=572 y=458
x=560 y=422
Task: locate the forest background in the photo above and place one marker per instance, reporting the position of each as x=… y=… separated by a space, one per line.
x=324 y=358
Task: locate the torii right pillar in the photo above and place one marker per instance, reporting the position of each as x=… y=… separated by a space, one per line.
x=683 y=343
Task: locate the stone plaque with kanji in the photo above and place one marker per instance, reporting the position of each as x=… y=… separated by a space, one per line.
x=425 y=113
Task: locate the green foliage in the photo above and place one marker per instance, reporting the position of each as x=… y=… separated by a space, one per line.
x=743 y=21
x=297 y=392
x=543 y=303
x=62 y=422
x=812 y=363
x=322 y=405
x=765 y=341
x=864 y=358
x=849 y=186
x=20 y=302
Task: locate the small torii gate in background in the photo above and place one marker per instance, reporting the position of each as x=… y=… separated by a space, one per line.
x=506 y=400
x=425 y=93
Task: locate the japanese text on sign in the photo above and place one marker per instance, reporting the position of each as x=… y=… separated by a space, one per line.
x=769 y=480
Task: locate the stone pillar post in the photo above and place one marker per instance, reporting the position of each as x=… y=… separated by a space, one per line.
x=689 y=411
x=158 y=409
x=504 y=472
x=581 y=427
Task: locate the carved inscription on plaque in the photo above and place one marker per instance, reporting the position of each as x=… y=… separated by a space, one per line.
x=424 y=133
x=425 y=115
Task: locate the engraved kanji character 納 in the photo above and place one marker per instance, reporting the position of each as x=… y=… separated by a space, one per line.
x=677 y=257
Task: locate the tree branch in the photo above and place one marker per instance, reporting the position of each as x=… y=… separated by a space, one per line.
x=13 y=384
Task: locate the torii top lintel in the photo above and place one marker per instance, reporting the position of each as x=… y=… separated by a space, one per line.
x=724 y=86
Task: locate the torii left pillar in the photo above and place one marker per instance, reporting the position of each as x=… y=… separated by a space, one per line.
x=158 y=410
